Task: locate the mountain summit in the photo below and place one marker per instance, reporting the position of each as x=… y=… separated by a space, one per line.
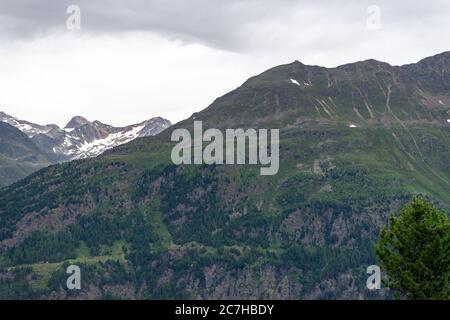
x=76 y=122
x=363 y=93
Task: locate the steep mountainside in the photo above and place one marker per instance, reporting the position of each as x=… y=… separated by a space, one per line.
x=356 y=142
x=79 y=139
x=18 y=155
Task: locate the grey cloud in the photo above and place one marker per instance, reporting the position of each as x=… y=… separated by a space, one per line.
x=228 y=24
x=209 y=21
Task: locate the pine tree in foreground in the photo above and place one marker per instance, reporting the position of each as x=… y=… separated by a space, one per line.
x=414 y=252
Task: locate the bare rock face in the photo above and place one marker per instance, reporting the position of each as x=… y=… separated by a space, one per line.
x=76 y=122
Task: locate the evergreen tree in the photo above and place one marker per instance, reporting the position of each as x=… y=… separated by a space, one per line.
x=414 y=252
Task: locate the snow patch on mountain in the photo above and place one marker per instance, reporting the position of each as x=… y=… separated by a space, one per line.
x=30 y=129
x=96 y=147
x=81 y=138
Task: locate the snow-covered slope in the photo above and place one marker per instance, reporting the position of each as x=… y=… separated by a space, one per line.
x=92 y=139
x=81 y=138
x=30 y=129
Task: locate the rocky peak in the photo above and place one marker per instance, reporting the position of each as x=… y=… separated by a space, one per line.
x=76 y=122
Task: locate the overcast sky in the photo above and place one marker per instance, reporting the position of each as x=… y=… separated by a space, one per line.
x=132 y=60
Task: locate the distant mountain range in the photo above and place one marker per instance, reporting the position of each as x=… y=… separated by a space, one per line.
x=42 y=145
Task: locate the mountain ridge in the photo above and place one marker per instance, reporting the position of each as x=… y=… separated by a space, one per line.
x=359 y=109
x=79 y=139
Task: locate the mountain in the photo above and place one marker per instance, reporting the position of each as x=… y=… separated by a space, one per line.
x=30 y=129
x=19 y=157
x=76 y=122
x=79 y=139
x=356 y=143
